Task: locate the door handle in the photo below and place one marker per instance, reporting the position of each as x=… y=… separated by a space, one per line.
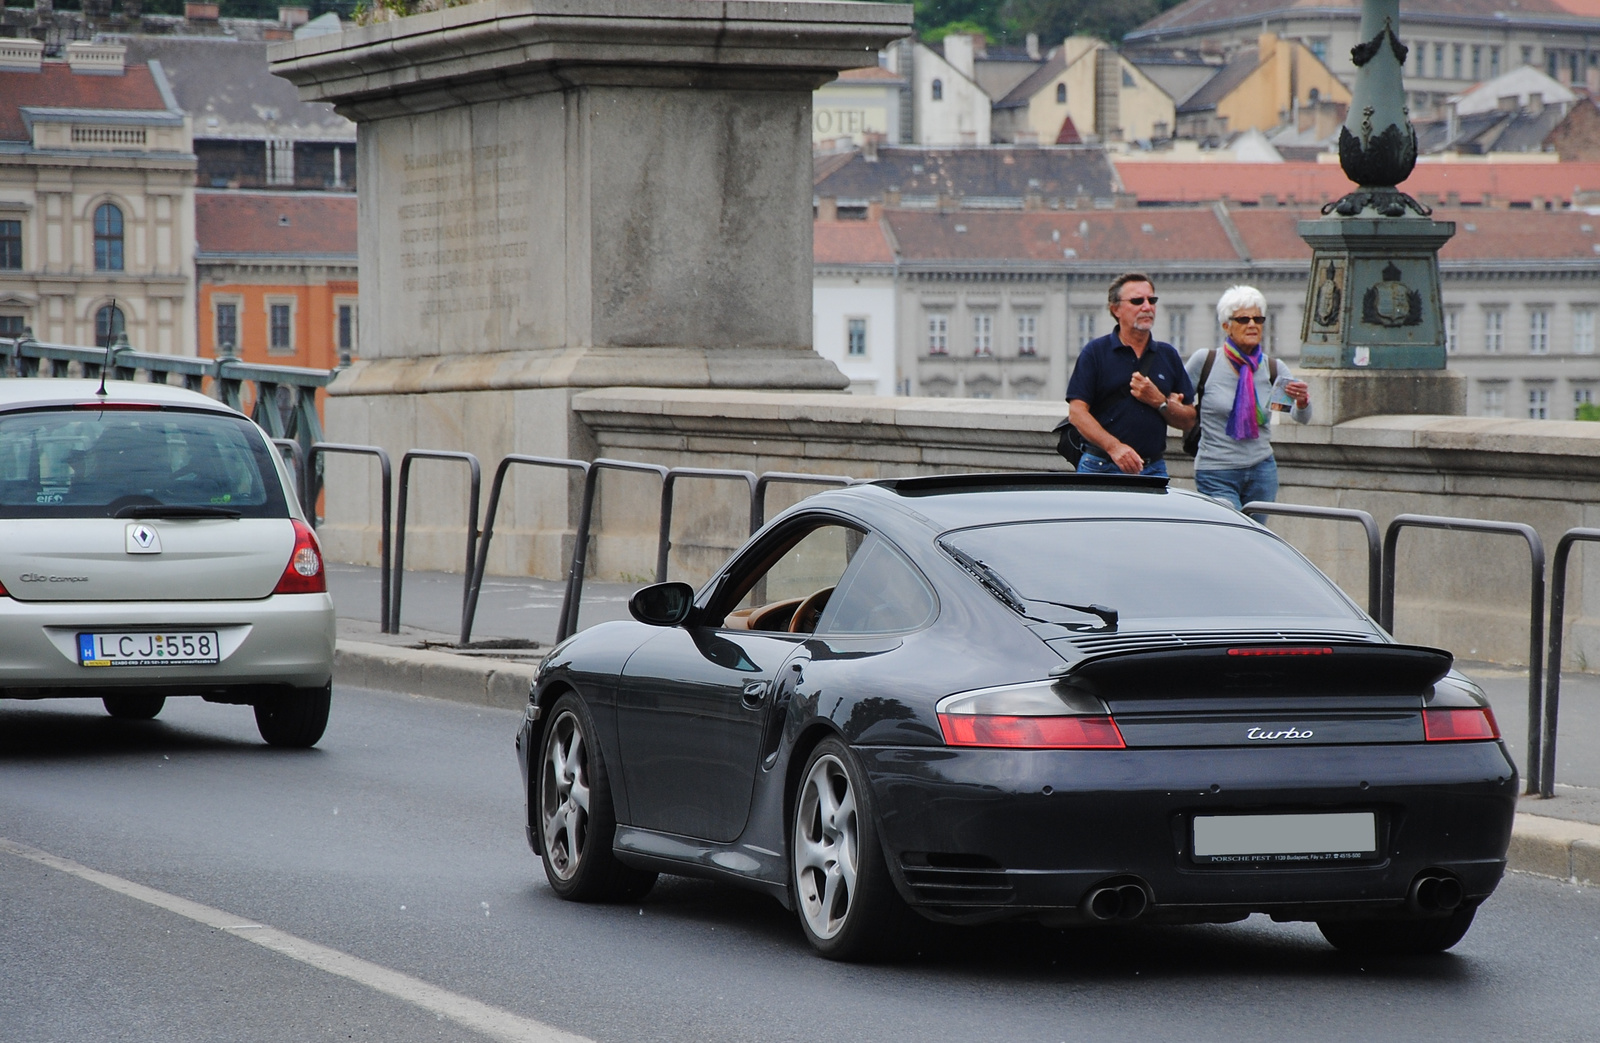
x=754 y=692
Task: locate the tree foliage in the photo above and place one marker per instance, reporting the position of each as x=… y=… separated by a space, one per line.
x=1009 y=21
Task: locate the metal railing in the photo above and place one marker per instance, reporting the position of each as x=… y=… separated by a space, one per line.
x=668 y=487
x=1535 y=609
x=1552 y=692
x=309 y=492
x=1374 y=539
x=580 y=548
x=398 y=583
x=758 y=497
x=285 y=396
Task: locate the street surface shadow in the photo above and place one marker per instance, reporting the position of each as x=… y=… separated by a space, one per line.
x=80 y=729
x=1020 y=951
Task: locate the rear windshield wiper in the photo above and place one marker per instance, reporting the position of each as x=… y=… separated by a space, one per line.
x=1008 y=595
x=162 y=510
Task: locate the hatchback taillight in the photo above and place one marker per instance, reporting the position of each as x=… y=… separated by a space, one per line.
x=1448 y=724
x=1036 y=715
x=303 y=574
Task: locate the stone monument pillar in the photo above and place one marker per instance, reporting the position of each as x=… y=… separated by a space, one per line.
x=1373 y=335
x=559 y=196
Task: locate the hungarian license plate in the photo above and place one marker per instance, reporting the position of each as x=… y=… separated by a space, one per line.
x=147 y=648
x=1335 y=837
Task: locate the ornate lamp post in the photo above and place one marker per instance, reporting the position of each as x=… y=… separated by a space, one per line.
x=1373 y=333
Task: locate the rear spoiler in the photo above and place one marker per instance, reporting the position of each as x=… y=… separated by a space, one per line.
x=1241 y=667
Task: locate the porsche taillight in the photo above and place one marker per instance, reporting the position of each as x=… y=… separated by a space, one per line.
x=304 y=573
x=1464 y=724
x=1034 y=716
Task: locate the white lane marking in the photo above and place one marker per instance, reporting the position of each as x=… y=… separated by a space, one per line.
x=480 y=1017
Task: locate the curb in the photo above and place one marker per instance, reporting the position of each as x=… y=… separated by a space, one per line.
x=438 y=675
x=1540 y=845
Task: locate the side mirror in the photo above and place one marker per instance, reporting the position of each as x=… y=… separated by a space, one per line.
x=662 y=604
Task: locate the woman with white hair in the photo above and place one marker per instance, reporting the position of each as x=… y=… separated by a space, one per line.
x=1237 y=389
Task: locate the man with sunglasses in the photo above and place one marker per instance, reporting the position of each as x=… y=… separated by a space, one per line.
x=1128 y=388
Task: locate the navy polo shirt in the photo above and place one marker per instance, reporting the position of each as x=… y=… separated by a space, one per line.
x=1105 y=365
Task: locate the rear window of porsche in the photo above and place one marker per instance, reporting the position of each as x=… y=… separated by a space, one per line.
x=91 y=463
x=1150 y=569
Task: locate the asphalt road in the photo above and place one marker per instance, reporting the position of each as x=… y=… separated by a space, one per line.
x=398 y=842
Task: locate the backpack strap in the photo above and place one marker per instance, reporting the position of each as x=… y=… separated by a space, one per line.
x=1205 y=374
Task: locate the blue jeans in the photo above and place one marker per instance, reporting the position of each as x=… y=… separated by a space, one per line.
x=1089 y=463
x=1241 y=485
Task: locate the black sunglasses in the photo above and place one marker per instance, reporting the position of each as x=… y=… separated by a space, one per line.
x=1136 y=301
x=1249 y=320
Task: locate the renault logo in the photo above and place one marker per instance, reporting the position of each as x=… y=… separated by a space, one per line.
x=143 y=539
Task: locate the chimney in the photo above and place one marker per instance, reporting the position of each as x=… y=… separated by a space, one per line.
x=96 y=59
x=869 y=145
x=21 y=55
x=1535 y=103
x=891 y=196
x=1506 y=103
x=200 y=12
x=1452 y=124
x=958 y=52
x=828 y=209
x=1266 y=45
x=292 y=17
x=1033 y=47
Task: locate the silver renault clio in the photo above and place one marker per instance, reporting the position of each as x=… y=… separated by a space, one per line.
x=151 y=545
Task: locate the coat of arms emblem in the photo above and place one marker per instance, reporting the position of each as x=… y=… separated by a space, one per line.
x=1391 y=302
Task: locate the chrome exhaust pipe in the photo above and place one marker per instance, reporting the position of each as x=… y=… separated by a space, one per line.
x=1435 y=894
x=1134 y=901
x=1102 y=903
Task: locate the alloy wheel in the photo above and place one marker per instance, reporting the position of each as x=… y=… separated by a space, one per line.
x=827 y=847
x=564 y=795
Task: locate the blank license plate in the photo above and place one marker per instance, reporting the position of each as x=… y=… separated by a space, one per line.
x=147 y=648
x=1346 y=836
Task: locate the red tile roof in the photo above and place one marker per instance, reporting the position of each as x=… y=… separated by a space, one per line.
x=293 y=224
x=1179 y=236
x=1202 y=12
x=850 y=242
x=1318 y=182
x=56 y=86
x=871 y=72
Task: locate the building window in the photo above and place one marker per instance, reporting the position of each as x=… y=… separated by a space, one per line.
x=1061 y=94
x=12 y=325
x=108 y=323
x=1477 y=62
x=1527 y=56
x=983 y=333
x=1452 y=330
x=938 y=90
x=227 y=328
x=1027 y=334
x=1318 y=46
x=1421 y=51
x=347 y=332
x=1086 y=321
x=1539 y=332
x=280 y=328
x=11 y=245
x=107 y=238
x=1178 y=329
x=1582 y=397
x=1494 y=62
x=938 y=334
x=1128 y=82
x=280 y=161
x=856 y=337
x=1494 y=332
x=1438 y=61
x=1494 y=401
x=1551 y=59
x=1455 y=59
x=1538 y=403
x=1583 y=331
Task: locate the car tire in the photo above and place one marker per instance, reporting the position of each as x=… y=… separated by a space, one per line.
x=576 y=819
x=134 y=707
x=296 y=720
x=1411 y=937
x=848 y=907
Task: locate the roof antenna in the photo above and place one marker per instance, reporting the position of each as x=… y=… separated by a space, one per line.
x=111 y=340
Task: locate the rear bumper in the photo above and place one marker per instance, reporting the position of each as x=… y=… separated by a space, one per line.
x=286 y=640
x=988 y=834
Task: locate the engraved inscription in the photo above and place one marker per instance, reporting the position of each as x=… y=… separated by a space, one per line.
x=464 y=232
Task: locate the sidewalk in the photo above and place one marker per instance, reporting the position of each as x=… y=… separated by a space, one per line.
x=516 y=625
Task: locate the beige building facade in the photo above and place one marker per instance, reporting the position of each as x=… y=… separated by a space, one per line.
x=97 y=173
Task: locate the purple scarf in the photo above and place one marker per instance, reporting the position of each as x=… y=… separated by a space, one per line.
x=1245 y=421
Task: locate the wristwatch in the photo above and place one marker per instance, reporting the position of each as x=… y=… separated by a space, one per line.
x=1162 y=408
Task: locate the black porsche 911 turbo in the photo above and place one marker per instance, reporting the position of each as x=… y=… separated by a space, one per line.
x=1070 y=698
